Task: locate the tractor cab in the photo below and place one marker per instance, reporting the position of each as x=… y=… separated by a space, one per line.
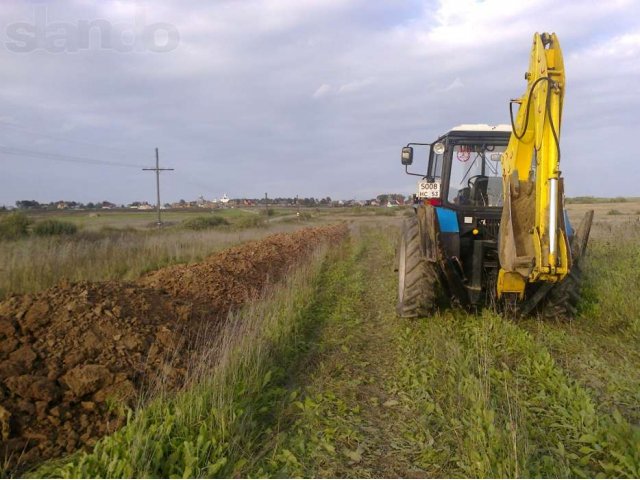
x=464 y=169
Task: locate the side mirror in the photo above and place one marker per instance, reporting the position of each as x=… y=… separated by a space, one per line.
x=407 y=156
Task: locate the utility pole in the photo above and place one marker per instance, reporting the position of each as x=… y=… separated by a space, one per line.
x=266 y=205
x=158 y=170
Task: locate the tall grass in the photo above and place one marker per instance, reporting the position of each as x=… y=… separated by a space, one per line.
x=600 y=347
x=215 y=426
x=35 y=263
x=52 y=227
x=203 y=223
x=612 y=274
x=14 y=225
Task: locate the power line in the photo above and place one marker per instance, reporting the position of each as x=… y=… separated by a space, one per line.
x=61 y=139
x=203 y=186
x=22 y=152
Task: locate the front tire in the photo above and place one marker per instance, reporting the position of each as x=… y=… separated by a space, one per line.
x=416 y=276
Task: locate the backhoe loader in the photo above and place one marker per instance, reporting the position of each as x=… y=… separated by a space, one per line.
x=490 y=228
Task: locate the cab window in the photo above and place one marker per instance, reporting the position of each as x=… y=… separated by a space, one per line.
x=476 y=175
x=435 y=168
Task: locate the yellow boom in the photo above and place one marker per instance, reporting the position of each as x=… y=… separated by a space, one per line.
x=533 y=239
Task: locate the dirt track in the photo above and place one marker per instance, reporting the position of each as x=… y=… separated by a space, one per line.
x=70 y=353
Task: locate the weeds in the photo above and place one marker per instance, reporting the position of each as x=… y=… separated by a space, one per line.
x=112 y=254
x=54 y=227
x=319 y=422
x=599 y=348
x=386 y=212
x=203 y=223
x=14 y=226
x=254 y=221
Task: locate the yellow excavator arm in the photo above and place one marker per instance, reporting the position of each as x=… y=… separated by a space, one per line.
x=533 y=243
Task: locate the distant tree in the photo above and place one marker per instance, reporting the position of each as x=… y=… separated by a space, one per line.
x=382 y=198
x=27 y=204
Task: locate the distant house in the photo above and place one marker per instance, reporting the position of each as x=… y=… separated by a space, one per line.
x=62 y=206
x=203 y=203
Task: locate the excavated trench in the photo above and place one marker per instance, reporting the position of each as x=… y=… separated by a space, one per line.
x=72 y=355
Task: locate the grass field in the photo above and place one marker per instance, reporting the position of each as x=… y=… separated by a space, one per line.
x=139 y=219
x=322 y=379
x=123 y=245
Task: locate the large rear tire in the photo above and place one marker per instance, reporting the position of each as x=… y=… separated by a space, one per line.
x=562 y=302
x=416 y=276
x=563 y=299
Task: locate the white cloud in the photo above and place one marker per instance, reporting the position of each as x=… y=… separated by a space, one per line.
x=454 y=85
x=322 y=90
x=355 y=86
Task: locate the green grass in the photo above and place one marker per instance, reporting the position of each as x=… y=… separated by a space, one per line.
x=478 y=396
x=204 y=223
x=316 y=424
x=96 y=219
x=14 y=226
x=50 y=227
x=600 y=347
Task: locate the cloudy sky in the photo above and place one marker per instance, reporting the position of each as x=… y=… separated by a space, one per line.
x=294 y=97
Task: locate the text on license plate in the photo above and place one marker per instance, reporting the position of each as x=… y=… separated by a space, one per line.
x=428 y=189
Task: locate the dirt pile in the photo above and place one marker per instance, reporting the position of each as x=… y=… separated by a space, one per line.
x=237 y=275
x=73 y=355
x=67 y=351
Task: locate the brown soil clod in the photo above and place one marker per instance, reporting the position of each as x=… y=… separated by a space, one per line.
x=69 y=354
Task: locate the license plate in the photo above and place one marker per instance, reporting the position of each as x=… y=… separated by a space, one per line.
x=428 y=189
